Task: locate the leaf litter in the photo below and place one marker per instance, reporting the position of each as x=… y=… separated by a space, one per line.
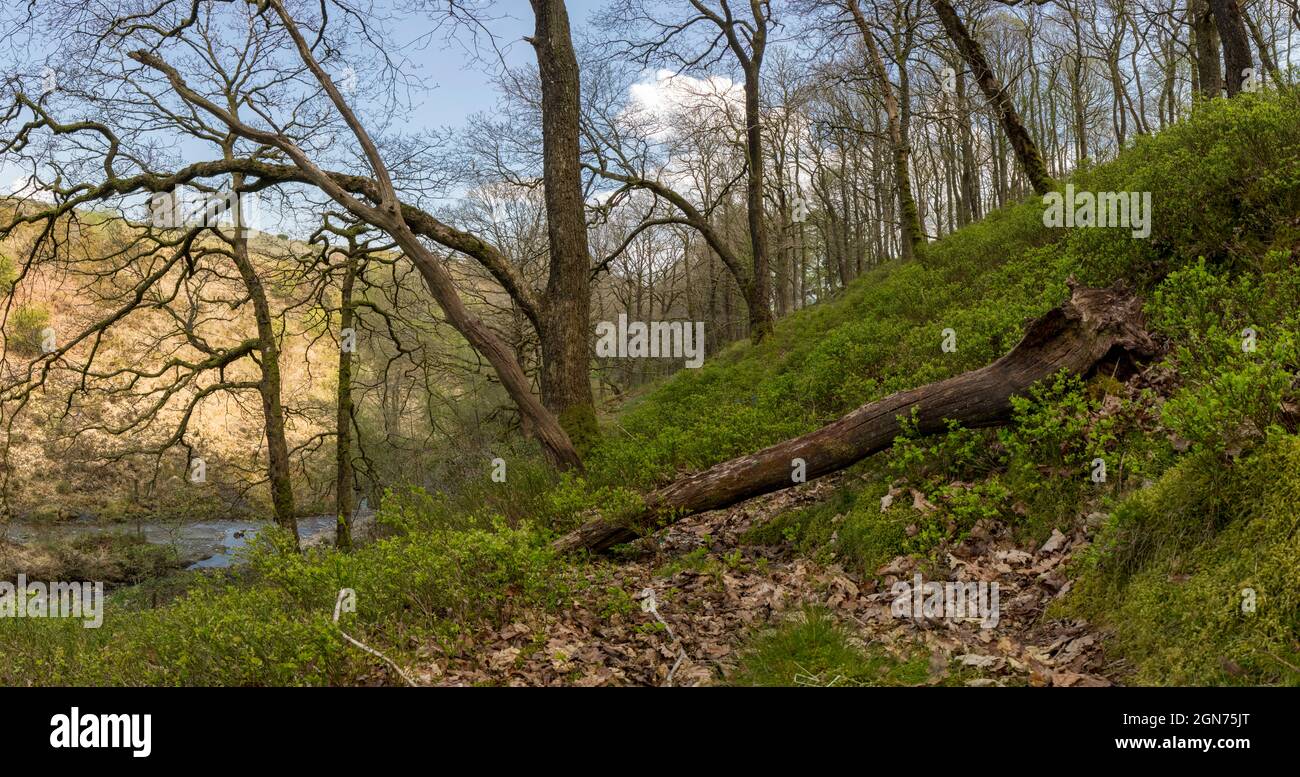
x=688 y=628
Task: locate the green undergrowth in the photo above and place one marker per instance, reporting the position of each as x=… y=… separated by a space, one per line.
x=1199 y=575
x=272 y=622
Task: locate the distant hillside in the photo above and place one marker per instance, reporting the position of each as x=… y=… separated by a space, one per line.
x=64 y=464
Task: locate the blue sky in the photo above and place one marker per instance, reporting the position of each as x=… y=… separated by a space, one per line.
x=464 y=87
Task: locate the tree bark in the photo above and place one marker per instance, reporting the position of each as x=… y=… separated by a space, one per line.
x=566 y=306
x=1094 y=325
x=1026 y=150
x=1265 y=51
x=970 y=198
x=1209 y=79
x=760 y=292
x=269 y=384
x=1236 y=45
x=538 y=422
x=343 y=501
x=758 y=295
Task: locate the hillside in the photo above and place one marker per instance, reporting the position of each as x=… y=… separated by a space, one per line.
x=87 y=448
x=1141 y=577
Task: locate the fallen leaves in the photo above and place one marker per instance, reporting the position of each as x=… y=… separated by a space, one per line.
x=707 y=612
x=1054 y=543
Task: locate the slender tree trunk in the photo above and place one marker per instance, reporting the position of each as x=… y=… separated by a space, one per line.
x=277 y=446
x=970 y=197
x=1265 y=50
x=1080 y=109
x=759 y=294
x=538 y=422
x=343 y=414
x=1031 y=160
x=909 y=219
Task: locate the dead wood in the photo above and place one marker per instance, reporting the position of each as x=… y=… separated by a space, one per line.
x=1095 y=326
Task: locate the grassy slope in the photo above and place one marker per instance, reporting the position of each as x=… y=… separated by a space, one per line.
x=1177 y=555
x=1202 y=468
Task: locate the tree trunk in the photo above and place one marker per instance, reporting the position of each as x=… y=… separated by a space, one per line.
x=277 y=446
x=1208 y=77
x=970 y=199
x=1026 y=150
x=783 y=207
x=1236 y=45
x=566 y=306
x=1265 y=51
x=1092 y=326
x=538 y=422
x=343 y=414
x=760 y=294
x=908 y=217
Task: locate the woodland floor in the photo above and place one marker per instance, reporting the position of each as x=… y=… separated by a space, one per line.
x=712 y=608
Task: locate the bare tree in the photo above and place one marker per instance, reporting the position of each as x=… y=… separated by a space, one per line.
x=1031 y=160
x=697 y=34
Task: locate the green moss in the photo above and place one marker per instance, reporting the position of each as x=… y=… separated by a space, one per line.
x=8 y=273
x=579 y=422
x=1181 y=564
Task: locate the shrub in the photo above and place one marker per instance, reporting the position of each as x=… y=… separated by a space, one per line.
x=26 y=324
x=273 y=624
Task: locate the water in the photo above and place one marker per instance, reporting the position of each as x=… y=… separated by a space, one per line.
x=214 y=544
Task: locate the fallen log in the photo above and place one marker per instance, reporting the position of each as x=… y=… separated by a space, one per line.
x=1095 y=326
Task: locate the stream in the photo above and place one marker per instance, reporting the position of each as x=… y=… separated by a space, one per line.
x=214 y=544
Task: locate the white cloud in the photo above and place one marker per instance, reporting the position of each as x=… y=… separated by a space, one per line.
x=666 y=93
x=27 y=188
